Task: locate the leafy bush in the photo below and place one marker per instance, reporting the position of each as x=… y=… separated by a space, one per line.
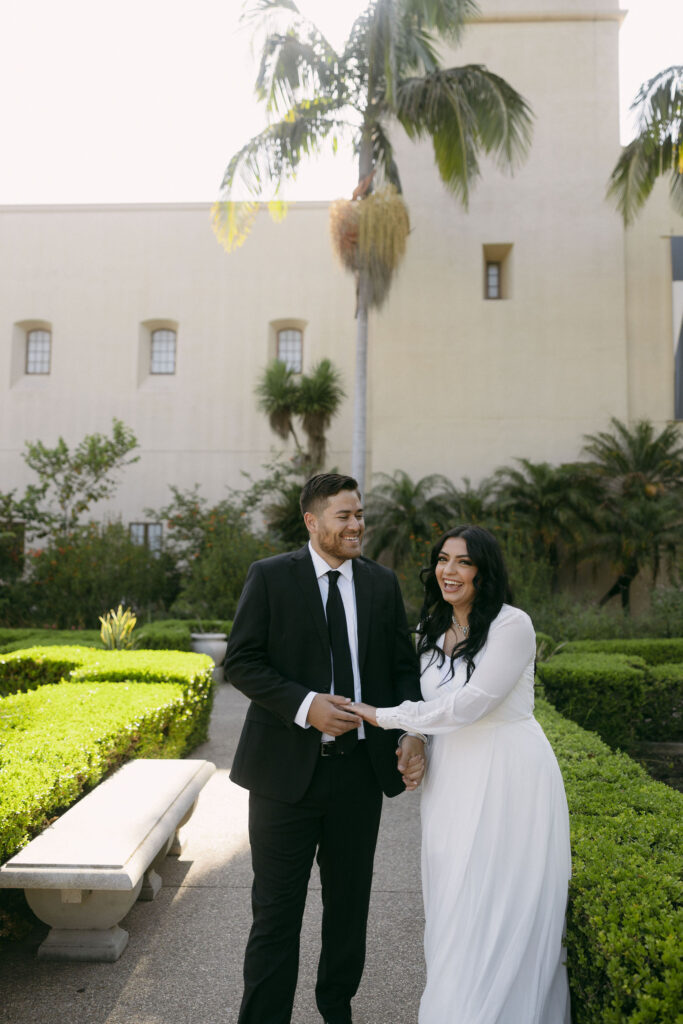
x=653 y=651
x=76 y=578
x=602 y=692
x=609 y=686
x=31 y=667
x=624 y=916
x=175 y=634
x=62 y=738
x=16 y=639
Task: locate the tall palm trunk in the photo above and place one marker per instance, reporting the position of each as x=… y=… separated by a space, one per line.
x=359 y=449
x=360 y=442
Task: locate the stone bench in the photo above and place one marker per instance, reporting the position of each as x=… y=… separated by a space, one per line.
x=85 y=871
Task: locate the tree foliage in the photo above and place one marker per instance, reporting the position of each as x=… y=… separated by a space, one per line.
x=657 y=149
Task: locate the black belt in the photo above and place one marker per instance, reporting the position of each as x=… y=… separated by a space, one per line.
x=329 y=748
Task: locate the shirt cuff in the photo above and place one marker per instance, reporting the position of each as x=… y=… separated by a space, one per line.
x=302 y=714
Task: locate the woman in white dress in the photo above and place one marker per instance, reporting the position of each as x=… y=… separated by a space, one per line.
x=495 y=829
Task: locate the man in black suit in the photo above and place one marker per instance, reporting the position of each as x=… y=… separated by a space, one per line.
x=314 y=629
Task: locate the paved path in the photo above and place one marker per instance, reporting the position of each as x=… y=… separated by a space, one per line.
x=183 y=962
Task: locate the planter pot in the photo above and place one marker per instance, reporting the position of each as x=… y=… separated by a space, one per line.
x=215 y=645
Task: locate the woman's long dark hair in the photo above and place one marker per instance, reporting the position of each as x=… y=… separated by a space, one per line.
x=492 y=590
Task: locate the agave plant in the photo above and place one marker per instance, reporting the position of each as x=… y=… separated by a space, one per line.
x=117 y=627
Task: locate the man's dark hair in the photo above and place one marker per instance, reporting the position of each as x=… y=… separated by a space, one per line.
x=322 y=486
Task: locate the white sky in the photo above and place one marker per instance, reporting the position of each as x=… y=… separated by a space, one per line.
x=146 y=100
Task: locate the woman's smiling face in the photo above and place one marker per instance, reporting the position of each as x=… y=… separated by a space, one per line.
x=455 y=574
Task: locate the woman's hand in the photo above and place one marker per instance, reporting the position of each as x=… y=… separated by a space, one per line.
x=366 y=712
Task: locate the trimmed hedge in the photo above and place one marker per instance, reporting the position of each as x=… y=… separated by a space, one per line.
x=175 y=634
x=653 y=651
x=165 y=634
x=624 y=919
x=619 y=696
x=16 y=639
x=602 y=692
x=62 y=737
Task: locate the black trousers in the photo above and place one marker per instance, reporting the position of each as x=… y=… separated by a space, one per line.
x=339 y=818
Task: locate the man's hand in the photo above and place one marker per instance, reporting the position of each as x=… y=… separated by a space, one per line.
x=411 y=761
x=328 y=714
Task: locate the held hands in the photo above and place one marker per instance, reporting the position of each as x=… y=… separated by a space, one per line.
x=410 y=752
x=411 y=761
x=332 y=714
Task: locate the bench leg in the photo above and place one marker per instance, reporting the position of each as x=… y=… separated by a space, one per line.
x=84 y=923
x=151 y=881
x=177 y=844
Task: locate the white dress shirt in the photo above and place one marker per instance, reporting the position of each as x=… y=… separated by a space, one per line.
x=348 y=596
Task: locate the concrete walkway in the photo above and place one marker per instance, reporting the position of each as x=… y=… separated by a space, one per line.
x=183 y=963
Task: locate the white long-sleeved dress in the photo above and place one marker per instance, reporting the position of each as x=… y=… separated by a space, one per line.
x=495 y=838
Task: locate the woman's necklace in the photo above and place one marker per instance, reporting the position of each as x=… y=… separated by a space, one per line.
x=465 y=629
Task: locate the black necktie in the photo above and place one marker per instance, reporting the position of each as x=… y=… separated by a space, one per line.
x=341 y=652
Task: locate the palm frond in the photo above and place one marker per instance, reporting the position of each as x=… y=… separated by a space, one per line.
x=292 y=69
x=443 y=18
x=657 y=150
x=466 y=111
x=269 y=159
x=278 y=395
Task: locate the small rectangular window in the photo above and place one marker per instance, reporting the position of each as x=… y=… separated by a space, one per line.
x=290 y=349
x=493 y=280
x=163 y=352
x=38 y=346
x=497 y=270
x=147 y=534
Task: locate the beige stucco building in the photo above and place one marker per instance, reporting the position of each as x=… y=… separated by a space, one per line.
x=459 y=383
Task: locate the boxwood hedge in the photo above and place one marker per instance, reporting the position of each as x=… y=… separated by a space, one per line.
x=626 y=690
x=95 y=710
x=624 y=919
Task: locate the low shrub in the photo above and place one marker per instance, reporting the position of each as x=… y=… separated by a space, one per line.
x=61 y=740
x=624 y=919
x=655 y=651
x=602 y=692
x=63 y=736
x=31 y=667
x=16 y=639
x=619 y=688
x=175 y=634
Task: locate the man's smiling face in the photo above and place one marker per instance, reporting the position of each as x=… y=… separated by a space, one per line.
x=337 y=530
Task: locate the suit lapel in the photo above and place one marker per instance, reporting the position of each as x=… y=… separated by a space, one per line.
x=304 y=573
x=363 y=586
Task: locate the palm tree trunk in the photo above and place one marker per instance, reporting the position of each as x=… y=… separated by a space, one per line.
x=359 y=448
x=359 y=445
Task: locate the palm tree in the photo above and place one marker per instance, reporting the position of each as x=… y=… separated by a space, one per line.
x=315 y=398
x=549 y=504
x=657 y=148
x=640 y=514
x=387 y=73
x=401 y=512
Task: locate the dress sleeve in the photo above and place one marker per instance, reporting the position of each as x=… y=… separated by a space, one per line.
x=510 y=647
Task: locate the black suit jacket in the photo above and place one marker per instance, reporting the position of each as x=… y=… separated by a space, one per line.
x=279 y=650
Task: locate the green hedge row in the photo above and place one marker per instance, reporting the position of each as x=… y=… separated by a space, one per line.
x=59 y=739
x=166 y=634
x=624 y=919
x=624 y=690
x=653 y=651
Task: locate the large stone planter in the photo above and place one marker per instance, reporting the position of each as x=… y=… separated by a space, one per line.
x=215 y=645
